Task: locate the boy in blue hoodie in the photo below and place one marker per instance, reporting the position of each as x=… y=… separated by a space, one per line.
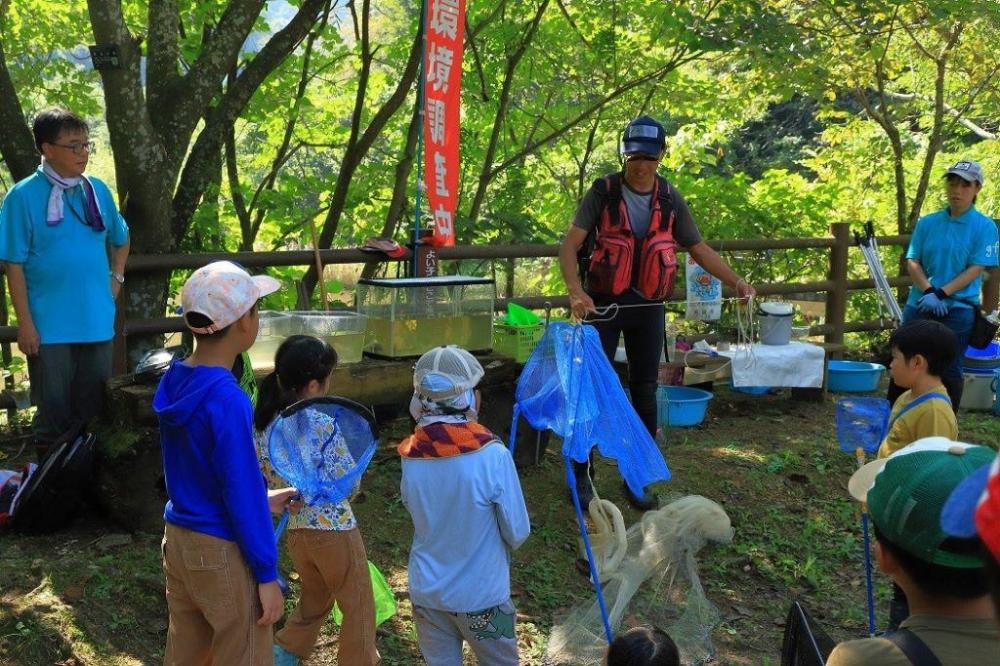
x=219 y=555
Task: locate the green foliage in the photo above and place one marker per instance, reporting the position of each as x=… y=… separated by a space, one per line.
x=117 y=441
x=780 y=116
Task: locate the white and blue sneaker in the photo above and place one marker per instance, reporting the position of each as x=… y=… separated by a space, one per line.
x=283 y=657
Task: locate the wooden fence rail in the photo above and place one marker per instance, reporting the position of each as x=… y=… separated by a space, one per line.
x=837 y=247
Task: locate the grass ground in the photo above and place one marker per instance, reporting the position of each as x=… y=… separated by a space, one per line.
x=94 y=596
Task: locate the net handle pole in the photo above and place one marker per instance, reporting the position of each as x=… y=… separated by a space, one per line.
x=868 y=574
x=282 y=583
x=573 y=398
x=279 y=530
x=859 y=455
x=512 y=445
x=571 y=480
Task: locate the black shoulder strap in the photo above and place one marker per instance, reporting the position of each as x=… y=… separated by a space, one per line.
x=665 y=195
x=915 y=649
x=665 y=192
x=614 y=181
x=609 y=192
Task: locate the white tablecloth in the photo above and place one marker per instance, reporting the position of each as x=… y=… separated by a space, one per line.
x=797 y=365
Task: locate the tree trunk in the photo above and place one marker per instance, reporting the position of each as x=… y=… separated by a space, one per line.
x=356 y=151
x=17 y=146
x=401 y=187
x=487 y=173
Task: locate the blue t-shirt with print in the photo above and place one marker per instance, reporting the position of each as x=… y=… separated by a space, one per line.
x=65 y=265
x=945 y=246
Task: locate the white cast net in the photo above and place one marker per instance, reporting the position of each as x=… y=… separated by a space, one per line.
x=650 y=576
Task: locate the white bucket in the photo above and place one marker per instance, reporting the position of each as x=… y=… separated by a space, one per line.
x=775 y=320
x=978 y=392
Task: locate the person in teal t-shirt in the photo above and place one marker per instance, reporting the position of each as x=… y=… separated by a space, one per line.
x=64 y=247
x=948 y=253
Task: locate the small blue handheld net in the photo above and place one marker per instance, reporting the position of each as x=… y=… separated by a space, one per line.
x=862 y=423
x=568 y=386
x=322 y=446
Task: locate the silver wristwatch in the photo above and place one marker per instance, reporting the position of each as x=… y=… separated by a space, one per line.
x=119 y=277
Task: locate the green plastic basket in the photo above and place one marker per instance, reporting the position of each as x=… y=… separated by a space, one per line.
x=516 y=341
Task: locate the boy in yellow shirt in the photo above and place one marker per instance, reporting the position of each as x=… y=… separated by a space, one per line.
x=921 y=350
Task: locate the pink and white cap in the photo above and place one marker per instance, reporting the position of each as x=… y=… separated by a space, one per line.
x=223 y=292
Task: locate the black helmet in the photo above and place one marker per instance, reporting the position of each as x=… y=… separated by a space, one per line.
x=156 y=361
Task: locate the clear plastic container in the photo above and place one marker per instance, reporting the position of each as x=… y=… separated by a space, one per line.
x=409 y=316
x=345 y=331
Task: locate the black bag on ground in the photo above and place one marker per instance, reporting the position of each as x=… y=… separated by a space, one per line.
x=804 y=643
x=983 y=330
x=52 y=495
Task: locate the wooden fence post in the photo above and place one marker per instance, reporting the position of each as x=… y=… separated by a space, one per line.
x=836 y=298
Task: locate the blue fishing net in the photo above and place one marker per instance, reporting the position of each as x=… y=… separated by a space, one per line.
x=322 y=446
x=569 y=387
x=862 y=423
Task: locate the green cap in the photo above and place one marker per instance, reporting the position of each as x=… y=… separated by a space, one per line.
x=906 y=492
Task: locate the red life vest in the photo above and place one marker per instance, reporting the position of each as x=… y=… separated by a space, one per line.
x=620 y=261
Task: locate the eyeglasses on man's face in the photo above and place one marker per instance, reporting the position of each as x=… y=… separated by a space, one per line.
x=78 y=147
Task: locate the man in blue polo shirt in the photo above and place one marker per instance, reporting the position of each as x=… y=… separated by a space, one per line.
x=64 y=246
x=948 y=253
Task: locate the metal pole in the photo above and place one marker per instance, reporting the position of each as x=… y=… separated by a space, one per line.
x=420 y=136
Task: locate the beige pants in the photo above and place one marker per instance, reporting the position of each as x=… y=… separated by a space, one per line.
x=213 y=603
x=332 y=566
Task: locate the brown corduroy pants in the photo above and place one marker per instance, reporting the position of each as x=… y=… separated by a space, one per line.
x=213 y=603
x=332 y=567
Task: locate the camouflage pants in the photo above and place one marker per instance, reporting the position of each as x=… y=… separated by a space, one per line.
x=490 y=633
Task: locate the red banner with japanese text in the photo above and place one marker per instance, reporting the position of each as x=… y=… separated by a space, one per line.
x=442 y=112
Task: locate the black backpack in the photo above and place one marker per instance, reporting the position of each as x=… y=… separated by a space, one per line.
x=52 y=496
x=609 y=192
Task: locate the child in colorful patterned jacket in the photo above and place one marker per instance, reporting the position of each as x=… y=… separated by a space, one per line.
x=324 y=541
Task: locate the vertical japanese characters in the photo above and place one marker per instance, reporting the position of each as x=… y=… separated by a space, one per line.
x=442 y=111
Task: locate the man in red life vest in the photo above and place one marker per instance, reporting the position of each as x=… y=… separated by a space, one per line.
x=631 y=223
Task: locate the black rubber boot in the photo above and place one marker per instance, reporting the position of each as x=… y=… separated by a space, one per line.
x=647 y=502
x=584 y=481
x=584 y=485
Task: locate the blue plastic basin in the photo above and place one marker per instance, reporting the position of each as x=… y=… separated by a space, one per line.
x=680 y=406
x=853 y=376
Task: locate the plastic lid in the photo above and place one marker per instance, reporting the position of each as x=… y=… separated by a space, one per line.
x=990 y=352
x=438 y=280
x=778 y=308
x=518 y=315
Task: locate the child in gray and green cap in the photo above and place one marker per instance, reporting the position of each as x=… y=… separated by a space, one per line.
x=951 y=618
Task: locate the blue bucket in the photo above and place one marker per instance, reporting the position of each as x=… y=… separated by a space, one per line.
x=749 y=390
x=680 y=406
x=853 y=376
x=996 y=396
